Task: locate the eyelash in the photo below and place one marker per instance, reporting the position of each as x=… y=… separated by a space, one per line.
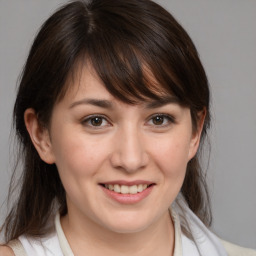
x=88 y=119
x=168 y=118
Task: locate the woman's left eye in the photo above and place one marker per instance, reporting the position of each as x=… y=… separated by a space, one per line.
x=161 y=120
x=95 y=121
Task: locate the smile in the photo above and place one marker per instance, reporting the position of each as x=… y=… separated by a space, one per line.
x=124 y=189
x=127 y=192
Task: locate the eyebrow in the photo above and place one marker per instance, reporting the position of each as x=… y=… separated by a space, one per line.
x=94 y=102
x=108 y=104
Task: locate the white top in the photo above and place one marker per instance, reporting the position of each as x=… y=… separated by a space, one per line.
x=204 y=241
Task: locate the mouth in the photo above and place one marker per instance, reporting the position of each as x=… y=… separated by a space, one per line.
x=125 y=189
x=127 y=192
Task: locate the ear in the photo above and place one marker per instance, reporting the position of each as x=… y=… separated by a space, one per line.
x=196 y=135
x=39 y=136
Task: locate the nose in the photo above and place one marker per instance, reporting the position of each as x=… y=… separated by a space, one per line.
x=129 y=152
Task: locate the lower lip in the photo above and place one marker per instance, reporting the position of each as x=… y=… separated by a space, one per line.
x=128 y=198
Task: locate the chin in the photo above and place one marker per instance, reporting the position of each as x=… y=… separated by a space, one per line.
x=128 y=229
x=127 y=224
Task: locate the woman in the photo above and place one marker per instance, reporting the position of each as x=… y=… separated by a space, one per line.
x=111 y=110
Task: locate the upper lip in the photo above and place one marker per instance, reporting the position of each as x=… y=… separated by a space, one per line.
x=128 y=183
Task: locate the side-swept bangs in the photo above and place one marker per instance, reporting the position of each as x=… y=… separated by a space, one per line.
x=141 y=54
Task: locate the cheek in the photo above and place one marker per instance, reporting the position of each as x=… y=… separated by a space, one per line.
x=172 y=156
x=78 y=160
x=77 y=155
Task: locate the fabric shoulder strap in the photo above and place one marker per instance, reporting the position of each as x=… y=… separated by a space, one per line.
x=17 y=247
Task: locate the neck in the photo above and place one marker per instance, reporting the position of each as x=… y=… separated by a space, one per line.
x=88 y=238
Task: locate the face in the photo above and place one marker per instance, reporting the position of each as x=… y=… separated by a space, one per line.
x=121 y=165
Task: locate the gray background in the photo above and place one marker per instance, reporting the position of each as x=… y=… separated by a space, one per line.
x=224 y=32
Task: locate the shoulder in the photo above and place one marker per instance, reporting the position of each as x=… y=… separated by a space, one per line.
x=235 y=250
x=6 y=251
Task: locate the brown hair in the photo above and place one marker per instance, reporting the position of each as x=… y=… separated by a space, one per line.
x=122 y=39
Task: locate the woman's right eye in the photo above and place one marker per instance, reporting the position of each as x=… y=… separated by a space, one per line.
x=95 y=121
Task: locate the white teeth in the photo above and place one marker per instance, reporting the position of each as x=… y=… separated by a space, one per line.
x=117 y=188
x=123 y=189
x=140 y=188
x=133 y=189
x=110 y=187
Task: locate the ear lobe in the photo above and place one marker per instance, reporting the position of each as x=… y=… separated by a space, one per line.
x=39 y=136
x=195 y=140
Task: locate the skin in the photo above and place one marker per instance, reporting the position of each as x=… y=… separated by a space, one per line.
x=6 y=251
x=129 y=142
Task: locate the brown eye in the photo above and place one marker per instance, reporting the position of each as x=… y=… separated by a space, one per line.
x=161 y=120
x=96 y=121
x=158 y=120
